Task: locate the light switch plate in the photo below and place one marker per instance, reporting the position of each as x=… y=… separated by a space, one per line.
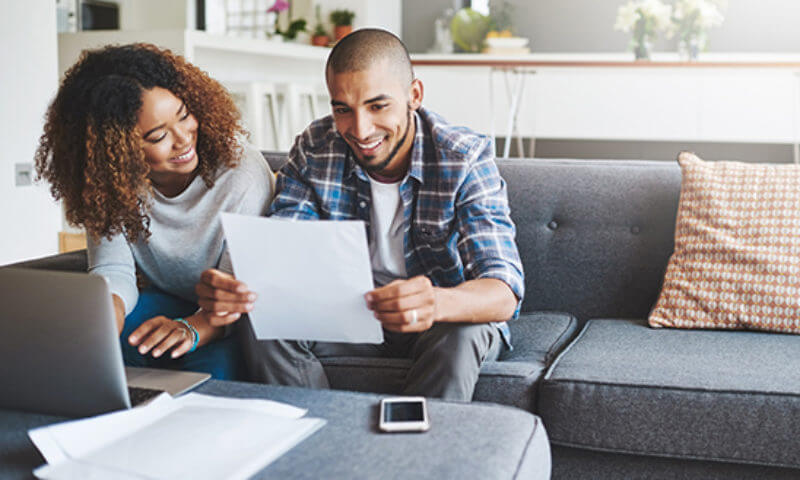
x=23 y=174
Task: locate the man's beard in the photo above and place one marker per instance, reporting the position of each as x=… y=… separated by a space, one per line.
x=380 y=166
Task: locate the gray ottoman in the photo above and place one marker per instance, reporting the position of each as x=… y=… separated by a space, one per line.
x=465 y=440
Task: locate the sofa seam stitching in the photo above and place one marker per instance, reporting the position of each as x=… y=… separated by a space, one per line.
x=671 y=387
x=548 y=355
x=670 y=455
x=565 y=351
x=536 y=425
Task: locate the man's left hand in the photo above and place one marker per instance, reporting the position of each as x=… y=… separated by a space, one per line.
x=404 y=305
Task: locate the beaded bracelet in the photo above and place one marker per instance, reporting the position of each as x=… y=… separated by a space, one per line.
x=194 y=332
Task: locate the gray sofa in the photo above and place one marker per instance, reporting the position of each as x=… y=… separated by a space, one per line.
x=618 y=399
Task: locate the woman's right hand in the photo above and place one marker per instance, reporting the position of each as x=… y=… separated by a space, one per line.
x=160 y=334
x=223 y=298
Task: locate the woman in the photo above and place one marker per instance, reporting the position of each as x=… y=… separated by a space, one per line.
x=145 y=151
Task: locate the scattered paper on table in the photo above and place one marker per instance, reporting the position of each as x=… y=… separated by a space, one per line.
x=310 y=277
x=195 y=436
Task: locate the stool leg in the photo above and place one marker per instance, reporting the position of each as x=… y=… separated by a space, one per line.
x=271 y=104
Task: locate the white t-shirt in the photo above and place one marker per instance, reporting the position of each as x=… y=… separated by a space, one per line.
x=386 y=249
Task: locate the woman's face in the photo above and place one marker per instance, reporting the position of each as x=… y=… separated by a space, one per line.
x=169 y=131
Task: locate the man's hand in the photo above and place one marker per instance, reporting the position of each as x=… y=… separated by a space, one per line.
x=223 y=298
x=160 y=334
x=404 y=305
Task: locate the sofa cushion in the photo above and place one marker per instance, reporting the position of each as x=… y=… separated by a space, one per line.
x=714 y=395
x=594 y=235
x=538 y=337
x=68 y=262
x=737 y=249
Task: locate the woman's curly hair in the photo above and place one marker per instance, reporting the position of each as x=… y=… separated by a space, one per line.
x=91 y=151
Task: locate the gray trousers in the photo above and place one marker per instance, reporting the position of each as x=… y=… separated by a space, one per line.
x=446 y=359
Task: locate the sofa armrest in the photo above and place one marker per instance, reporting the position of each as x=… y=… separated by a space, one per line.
x=68 y=262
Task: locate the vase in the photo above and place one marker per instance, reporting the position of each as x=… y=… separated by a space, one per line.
x=689 y=48
x=642 y=50
x=320 y=40
x=271 y=24
x=340 y=31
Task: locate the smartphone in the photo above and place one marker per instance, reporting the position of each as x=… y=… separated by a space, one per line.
x=404 y=414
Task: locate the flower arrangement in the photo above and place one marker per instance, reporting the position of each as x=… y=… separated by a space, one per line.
x=692 y=19
x=278 y=7
x=645 y=19
x=272 y=13
x=295 y=26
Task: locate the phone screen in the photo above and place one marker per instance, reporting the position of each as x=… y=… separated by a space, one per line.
x=403 y=412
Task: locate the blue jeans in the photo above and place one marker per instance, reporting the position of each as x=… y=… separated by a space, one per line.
x=221 y=358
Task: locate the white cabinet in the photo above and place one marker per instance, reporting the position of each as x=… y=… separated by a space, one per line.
x=749 y=106
x=748 y=100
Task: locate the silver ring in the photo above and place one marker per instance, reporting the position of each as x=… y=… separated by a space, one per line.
x=413 y=317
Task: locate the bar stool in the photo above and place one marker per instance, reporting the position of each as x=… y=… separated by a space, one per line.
x=302 y=105
x=514 y=95
x=262 y=113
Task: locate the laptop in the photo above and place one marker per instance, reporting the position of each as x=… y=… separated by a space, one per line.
x=60 y=351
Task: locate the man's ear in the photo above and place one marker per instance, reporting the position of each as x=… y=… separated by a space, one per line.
x=415 y=94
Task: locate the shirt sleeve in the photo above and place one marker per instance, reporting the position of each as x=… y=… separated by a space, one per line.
x=486 y=232
x=295 y=197
x=113 y=260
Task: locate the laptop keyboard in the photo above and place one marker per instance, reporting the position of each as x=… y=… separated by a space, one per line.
x=140 y=395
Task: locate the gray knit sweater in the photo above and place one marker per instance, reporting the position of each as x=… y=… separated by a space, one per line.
x=186 y=230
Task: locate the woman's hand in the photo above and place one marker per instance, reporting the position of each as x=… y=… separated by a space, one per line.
x=222 y=297
x=160 y=334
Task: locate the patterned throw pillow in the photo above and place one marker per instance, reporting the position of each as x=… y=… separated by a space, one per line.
x=736 y=263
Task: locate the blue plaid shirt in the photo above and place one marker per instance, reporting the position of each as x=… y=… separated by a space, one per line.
x=457 y=223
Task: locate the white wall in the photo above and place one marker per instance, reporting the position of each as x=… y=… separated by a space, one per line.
x=29 y=219
x=386 y=14
x=156 y=14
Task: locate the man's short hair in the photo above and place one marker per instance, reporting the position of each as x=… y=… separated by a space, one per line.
x=363 y=48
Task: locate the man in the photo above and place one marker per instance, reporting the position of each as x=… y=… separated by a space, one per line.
x=441 y=241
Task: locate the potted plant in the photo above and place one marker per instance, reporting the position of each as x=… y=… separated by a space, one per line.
x=319 y=37
x=295 y=27
x=342 y=21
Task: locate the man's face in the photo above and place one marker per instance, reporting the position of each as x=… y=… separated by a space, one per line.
x=372 y=110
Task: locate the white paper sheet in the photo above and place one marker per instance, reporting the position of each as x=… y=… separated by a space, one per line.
x=310 y=277
x=195 y=436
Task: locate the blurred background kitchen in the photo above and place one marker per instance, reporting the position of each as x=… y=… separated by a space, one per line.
x=630 y=79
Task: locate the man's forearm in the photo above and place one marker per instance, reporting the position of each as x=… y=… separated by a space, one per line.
x=475 y=301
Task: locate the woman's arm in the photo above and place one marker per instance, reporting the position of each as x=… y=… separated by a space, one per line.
x=113 y=260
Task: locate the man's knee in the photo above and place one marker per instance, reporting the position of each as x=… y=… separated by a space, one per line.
x=457 y=343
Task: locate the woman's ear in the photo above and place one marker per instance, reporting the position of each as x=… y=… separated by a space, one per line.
x=415 y=94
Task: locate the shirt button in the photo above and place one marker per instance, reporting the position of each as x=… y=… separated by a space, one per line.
x=362 y=204
x=552 y=225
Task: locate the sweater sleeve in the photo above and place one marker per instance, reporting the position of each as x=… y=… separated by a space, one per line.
x=113 y=260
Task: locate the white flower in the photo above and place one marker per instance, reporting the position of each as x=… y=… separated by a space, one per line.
x=697 y=16
x=656 y=16
x=627 y=16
